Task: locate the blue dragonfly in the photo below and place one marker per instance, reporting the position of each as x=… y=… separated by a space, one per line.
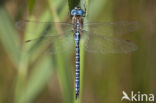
x=99 y=37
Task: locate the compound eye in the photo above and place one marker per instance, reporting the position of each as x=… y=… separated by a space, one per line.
x=74 y=12
x=80 y=12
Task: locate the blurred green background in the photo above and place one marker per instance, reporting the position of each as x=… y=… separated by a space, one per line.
x=36 y=77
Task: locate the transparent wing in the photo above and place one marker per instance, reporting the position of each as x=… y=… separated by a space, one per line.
x=111 y=28
x=104 y=45
x=36 y=27
x=50 y=44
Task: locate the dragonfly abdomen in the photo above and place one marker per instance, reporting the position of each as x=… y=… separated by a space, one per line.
x=77 y=64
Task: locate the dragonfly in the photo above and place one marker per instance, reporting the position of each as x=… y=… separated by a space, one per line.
x=99 y=37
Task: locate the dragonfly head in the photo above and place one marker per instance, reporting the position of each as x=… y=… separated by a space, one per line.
x=77 y=11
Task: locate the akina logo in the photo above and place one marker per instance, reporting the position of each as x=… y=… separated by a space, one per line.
x=140 y=97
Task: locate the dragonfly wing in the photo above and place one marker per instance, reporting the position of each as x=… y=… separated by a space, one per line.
x=37 y=27
x=104 y=45
x=50 y=44
x=112 y=28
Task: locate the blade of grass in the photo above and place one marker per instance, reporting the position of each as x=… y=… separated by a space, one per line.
x=31 y=4
x=65 y=78
x=9 y=37
x=73 y=3
x=82 y=55
x=27 y=90
x=63 y=68
x=37 y=80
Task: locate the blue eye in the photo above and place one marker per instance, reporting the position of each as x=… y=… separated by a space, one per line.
x=79 y=12
x=74 y=12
